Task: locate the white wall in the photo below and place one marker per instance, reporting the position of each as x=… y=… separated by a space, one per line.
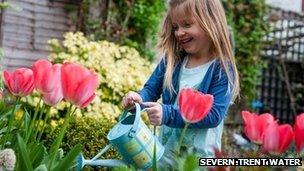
x=290 y=5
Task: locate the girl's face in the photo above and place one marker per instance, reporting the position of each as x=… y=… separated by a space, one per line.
x=190 y=36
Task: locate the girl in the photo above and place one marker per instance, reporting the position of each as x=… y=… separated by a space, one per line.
x=198 y=54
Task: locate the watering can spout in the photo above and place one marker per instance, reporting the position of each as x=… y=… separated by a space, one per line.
x=81 y=162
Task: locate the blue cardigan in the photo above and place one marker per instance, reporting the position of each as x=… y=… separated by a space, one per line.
x=215 y=82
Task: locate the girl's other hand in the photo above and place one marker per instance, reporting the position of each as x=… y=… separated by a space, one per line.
x=155 y=112
x=130 y=98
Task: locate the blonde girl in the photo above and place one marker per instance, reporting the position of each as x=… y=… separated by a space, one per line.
x=197 y=54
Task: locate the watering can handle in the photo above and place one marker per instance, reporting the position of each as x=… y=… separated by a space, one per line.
x=125 y=112
x=136 y=121
x=137 y=118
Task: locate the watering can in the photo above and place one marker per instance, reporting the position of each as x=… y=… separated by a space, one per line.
x=133 y=140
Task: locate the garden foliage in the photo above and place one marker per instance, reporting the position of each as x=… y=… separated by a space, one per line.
x=133 y=22
x=248 y=21
x=120 y=69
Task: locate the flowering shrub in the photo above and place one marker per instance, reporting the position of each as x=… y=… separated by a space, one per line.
x=120 y=68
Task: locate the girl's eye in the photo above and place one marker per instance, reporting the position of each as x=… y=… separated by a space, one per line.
x=187 y=25
x=174 y=28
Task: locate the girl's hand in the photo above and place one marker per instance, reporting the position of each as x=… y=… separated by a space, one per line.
x=130 y=98
x=155 y=112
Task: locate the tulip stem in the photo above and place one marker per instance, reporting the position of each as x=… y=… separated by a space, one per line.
x=29 y=132
x=38 y=120
x=10 y=122
x=154 y=150
x=56 y=145
x=44 y=122
x=182 y=137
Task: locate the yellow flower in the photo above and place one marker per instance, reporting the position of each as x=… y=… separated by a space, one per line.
x=53 y=124
x=19 y=114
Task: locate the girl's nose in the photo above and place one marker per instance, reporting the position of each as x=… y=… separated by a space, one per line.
x=180 y=32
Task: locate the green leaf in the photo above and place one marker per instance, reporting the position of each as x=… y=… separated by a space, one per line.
x=55 y=146
x=190 y=163
x=66 y=163
x=37 y=153
x=124 y=168
x=25 y=163
x=26 y=121
x=41 y=168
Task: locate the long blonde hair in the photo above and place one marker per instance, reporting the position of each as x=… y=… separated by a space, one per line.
x=211 y=18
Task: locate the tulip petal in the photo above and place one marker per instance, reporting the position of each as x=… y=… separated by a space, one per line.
x=86 y=89
x=249 y=118
x=271 y=138
x=8 y=81
x=42 y=72
x=69 y=81
x=299 y=132
x=286 y=137
x=84 y=104
x=53 y=97
x=194 y=105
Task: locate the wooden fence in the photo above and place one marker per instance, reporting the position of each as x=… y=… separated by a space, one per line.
x=27 y=27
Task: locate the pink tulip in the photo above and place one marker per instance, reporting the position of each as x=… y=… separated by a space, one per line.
x=20 y=82
x=55 y=96
x=255 y=125
x=47 y=76
x=78 y=84
x=277 y=138
x=194 y=105
x=299 y=132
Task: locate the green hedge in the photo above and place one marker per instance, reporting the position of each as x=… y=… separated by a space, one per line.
x=248 y=20
x=90 y=132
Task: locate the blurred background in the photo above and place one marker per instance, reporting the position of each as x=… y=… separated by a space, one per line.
x=117 y=38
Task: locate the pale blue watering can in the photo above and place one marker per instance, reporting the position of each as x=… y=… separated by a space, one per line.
x=133 y=140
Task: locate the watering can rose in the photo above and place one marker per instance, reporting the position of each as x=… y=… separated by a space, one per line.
x=194 y=105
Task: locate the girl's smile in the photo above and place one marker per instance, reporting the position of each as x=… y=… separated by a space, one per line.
x=185 y=42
